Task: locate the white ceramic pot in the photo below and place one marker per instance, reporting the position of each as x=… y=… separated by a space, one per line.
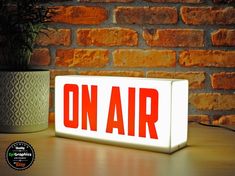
x=24 y=101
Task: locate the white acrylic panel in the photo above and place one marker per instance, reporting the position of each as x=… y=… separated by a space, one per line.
x=172 y=96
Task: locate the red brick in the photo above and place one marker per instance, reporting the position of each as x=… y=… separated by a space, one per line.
x=54 y=73
x=82 y=57
x=114 y=73
x=107 y=37
x=79 y=15
x=177 y=1
x=54 y=37
x=196 y=79
x=199 y=118
x=212 y=101
x=223 y=80
x=40 y=57
x=208 y=15
x=225 y=120
x=207 y=58
x=174 y=37
x=223 y=37
x=106 y=0
x=51 y=100
x=51 y=117
x=144 y=58
x=145 y=15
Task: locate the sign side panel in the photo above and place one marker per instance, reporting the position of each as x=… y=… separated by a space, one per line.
x=179 y=119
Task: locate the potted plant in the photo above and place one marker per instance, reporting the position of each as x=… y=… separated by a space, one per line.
x=24 y=92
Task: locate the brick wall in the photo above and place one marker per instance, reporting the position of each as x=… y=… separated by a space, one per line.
x=190 y=39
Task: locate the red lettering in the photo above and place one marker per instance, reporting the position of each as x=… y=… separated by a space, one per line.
x=131 y=112
x=115 y=104
x=71 y=88
x=148 y=119
x=89 y=107
x=148 y=109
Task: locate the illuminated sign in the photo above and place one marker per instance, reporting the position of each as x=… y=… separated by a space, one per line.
x=142 y=113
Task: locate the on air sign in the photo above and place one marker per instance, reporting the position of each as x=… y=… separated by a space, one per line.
x=137 y=112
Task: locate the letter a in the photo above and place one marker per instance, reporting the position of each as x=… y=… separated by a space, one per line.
x=115 y=104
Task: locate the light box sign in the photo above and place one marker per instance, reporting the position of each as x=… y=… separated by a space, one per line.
x=142 y=113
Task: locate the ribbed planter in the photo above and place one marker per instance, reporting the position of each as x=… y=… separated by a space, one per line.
x=24 y=101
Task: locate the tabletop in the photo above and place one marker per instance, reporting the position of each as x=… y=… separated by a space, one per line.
x=209 y=151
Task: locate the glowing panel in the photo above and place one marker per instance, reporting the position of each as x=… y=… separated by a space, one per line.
x=143 y=113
